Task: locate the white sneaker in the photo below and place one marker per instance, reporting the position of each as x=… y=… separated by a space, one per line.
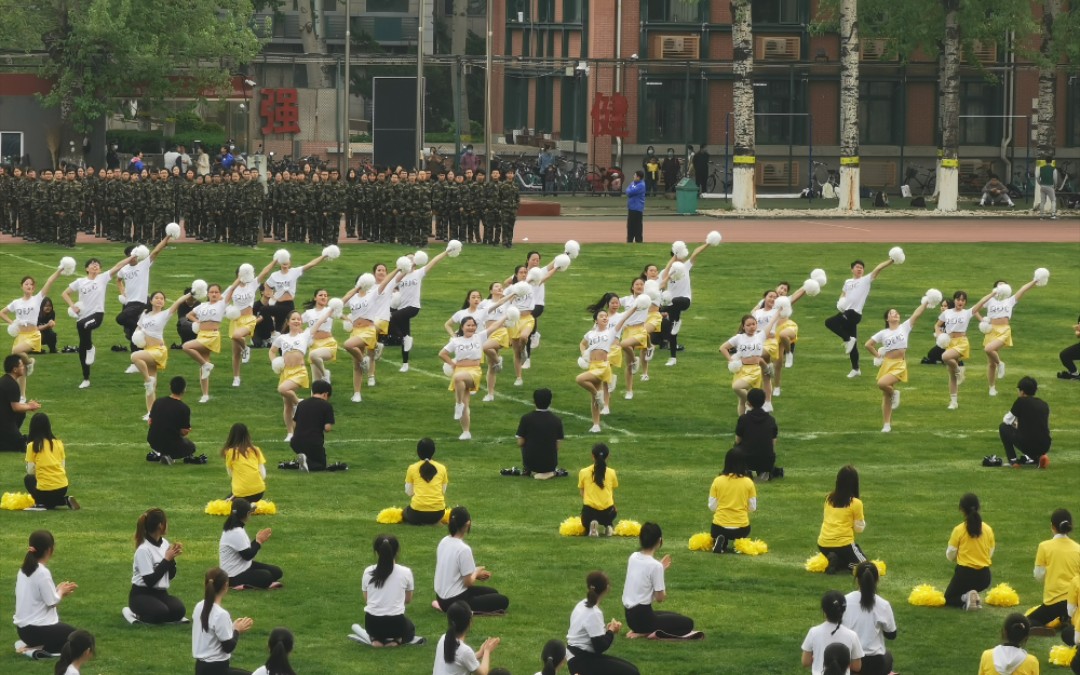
x=204 y=370
x=356 y=397
x=594 y=429
x=371 y=381
x=644 y=377
x=855 y=372
x=146 y=417
x=129 y=615
x=776 y=392
x=611 y=385
x=379 y=347
x=301 y=461
x=245 y=354
x=518 y=382
x=767 y=407
x=634 y=365
x=465 y=436
x=960 y=375
x=672 y=361
x=91 y=354
x=489 y=398
x=288 y=437
x=972 y=601
x=459 y=410
x=993 y=391
x=85 y=384
x=886 y=429
x=605 y=410
x=534 y=340
x=526 y=364
x=131 y=370
x=895 y=399
x=953 y=405
x=1000 y=369
x=789 y=359
x=360 y=635
x=498 y=365
x=650 y=352
x=236 y=382
x=205 y=398
x=150 y=385
x=628 y=395
x=849 y=345
x=365 y=364
x=769 y=369
x=404 y=368
x=594 y=529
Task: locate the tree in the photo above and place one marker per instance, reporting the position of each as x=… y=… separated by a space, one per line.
x=96 y=51
x=313 y=41
x=743 y=195
x=849 y=106
x=1059 y=40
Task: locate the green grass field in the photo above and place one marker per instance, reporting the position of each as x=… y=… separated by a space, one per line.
x=667 y=445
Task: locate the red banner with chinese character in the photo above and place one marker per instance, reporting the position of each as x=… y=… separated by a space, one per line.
x=279 y=111
x=609 y=115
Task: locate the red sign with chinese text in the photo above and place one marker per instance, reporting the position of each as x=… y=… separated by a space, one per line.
x=609 y=115
x=279 y=111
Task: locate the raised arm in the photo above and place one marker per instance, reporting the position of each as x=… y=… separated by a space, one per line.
x=227 y=295
x=265 y=271
x=1023 y=289
x=159 y=248
x=313 y=262
x=49 y=282
x=696 y=253
x=916 y=314
x=390 y=278
x=979 y=305
x=880 y=268
x=116 y=268
x=435 y=261
x=176 y=305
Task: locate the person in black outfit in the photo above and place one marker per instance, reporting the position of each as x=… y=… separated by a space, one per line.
x=538 y=435
x=314 y=418
x=701 y=168
x=12 y=409
x=755 y=435
x=1069 y=356
x=170 y=424
x=46 y=321
x=670 y=169
x=183 y=324
x=264 y=312
x=1026 y=427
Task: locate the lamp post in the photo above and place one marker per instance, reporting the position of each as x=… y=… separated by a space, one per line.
x=419 y=157
x=580 y=71
x=489 y=34
x=249 y=85
x=346 y=154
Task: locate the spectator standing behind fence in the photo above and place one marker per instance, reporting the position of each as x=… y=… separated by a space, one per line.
x=635 y=208
x=651 y=165
x=701 y=168
x=1046 y=178
x=670 y=168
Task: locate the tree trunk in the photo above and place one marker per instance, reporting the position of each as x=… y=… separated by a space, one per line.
x=313 y=40
x=1046 y=130
x=743 y=194
x=849 y=106
x=950 y=101
x=459 y=34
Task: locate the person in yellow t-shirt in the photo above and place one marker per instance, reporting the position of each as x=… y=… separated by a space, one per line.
x=843 y=517
x=46 y=475
x=1070 y=632
x=1057 y=564
x=245 y=464
x=971 y=546
x=597 y=485
x=425 y=482
x=1010 y=657
x=732 y=497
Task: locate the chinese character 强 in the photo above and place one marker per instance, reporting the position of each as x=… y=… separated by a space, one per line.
x=279 y=111
x=609 y=115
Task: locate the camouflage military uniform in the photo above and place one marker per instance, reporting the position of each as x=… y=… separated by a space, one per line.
x=511 y=198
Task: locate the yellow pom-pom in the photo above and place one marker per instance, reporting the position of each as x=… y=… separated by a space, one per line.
x=572 y=527
x=882 y=568
x=748 y=546
x=390 y=516
x=1002 y=595
x=219 y=507
x=817 y=564
x=702 y=541
x=627 y=528
x=445 y=517
x=925 y=595
x=1062 y=655
x=264 y=507
x=16 y=501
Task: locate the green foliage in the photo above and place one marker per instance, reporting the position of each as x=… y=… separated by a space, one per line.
x=131 y=141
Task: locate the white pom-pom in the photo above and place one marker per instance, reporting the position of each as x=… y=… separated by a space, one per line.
x=841 y=305
x=985 y=326
x=140 y=252
x=1002 y=291
x=677 y=271
x=583 y=363
x=665 y=298
x=783 y=304
x=713 y=238
x=943 y=340
x=278 y=364
x=447 y=369
x=642 y=302
x=195 y=326
x=680 y=250
x=453 y=248
x=897 y=255
x=282 y=256
x=933 y=297
x=173 y=230
x=232 y=312
x=199 y=289
x=405 y=264
x=13 y=329
x=561 y=262
x=335 y=305
x=513 y=315
x=535 y=276
x=734 y=365
x=365 y=281
x=818 y=275
x=395 y=300
x=878 y=360
x=1042 y=276
x=652 y=288
x=420 y=258
x=138 y=338
x=347 y=325
x=246 y=273
x=811 y=287
x=67 y=265
x=72 y=313
x=331 y=252
x=522 y=289
x=122 y=298
x=572 y=249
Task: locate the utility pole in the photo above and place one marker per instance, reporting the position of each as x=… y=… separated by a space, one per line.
x=346 y=149
x=419 y=158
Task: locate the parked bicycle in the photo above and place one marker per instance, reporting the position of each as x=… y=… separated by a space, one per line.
x=720 y=179
x=824 y=182
x=919 y=179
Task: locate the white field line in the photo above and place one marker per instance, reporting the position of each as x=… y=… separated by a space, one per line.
x=843 y=227
x=32 y=262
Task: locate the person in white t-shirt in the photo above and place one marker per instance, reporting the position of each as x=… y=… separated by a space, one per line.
x=292 y=347
x=553 y=656
x=831 y=631
x=680 y=292
x=283 y=285
x=746 y=356
x=999 y=314
x=467 y=348
x=78 y=649
x=133 y=284
x=645 y=585
x=90 y=308
x=214 y=634
x=387 y=587
x=241 y=297
x=596 y=348
x=153 y=356
x=889 y=348
x=456 y=573
x=408 y=288
x=208 y=316
x=152 y=573
x=37 y=622
x=452 y=655
x=589 y=637
x=953 y=323
x=852 y=300
x=236 y=553
x=368 y=303
x=23 y=314
x=871 y=617
x=280 y=643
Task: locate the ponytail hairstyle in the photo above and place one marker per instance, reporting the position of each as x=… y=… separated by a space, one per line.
x=597 y=582
x=836 y=659
x=150 y=305
x=425 y=450
x=866 y=573
x=468 y=294
x=41 y=544
x=458 y=619
x=386 y=547
x=78 y=643
x=239 y=440
x=149 y=524
x=847 y=487
x=311 y=304
x=213 y=583
x=969 y=504
x=650 y=536
x=280 y=644
x=552 y=655
x=40 y=431
x=602 y=304
x=240 y=510
x=734 y=462
x=1061 y=521
x=600 y=454
x=459 y=517
x=1016 y=629
x=833 y=605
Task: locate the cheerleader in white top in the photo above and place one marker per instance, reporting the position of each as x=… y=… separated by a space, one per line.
x=241 y=297
x=206 y=319
x=486 y=313
x=635 y=334
x=596 y=348
x=149 y=337
x=387 y=587
x=452 y=655
x=291 y=348
x=89 y=310
x=133 y=284
x=214 y=634
x=78 y=649
x=469 y=308
x=675 y=278
x=323 y=345
x=21 y=316
x=850 y=306
x=532 y=259
x=999 y=304
x=589 y=637
x=408 y=288
x=950 y=331
x=645 y=585
x=464 y=367
x=280 y=644
x=889 y=348
x=36 y=597
x=367 y=301
x=745 y=354
x=786 y=334
x=152 y=573
x=283 y=284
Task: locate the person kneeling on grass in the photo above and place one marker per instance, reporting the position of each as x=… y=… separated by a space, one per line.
x=597 y=484
x=832 y=630
x=214 y=633
x=46 y=476
x=871 y=617
x=170 y=425
x=755 y=435
x=971 y=547
x=732 y=497
x=425 y=483
x=539 y=434
x=1010 y=657
x=1057 y=565
x=1026 y=427
x=37 y=622
x=388 y=587
x=313 y=419
x=245 y=464
x=152 y=573
x=589 y=637
x=456 y=573
x=78 y=649
x=236 y=553
x=645 y=585
x=452 y=655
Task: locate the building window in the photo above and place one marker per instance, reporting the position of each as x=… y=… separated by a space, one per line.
x=545 y=11
x=516 y=103
x=778 y=106
x=472 y=7
x=396 y=6
x=778 y=12
x=11 y=147
x=573 y=124
x=518 y=10
x=980 y=105
x=571 y=11
x=669 y=114
x=675 y=11
x=879 y=114
x=545 y=87
x=1072 y=124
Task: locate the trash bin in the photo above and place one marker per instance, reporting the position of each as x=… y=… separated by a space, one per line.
x=686 y=196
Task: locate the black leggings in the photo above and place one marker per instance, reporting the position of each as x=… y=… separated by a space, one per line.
x=536 y=312
x=259 y=575
x=217 y=668
x=589 y=663
x=50 y=638
x=1012 y=440
x=1069 y=356
x=129 y=319
x=414 y=517
x=155 y=605
x=674 y=313
x=605 y=518
x=846 y=557
x=386 y=628
x=50 y=499
x=401 y=327
x=877 y=664
x=846 y=326
x=966 y=579
x=642 y=619
x=729 y=533
x=480 y=599
x=86 y=327
x=1044 y=614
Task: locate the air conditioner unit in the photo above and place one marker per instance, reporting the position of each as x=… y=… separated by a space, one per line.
x=777 y=49
x=676 y=47
x=984 y=51
x=877 y=174
x=778 y=174
x=876 y=50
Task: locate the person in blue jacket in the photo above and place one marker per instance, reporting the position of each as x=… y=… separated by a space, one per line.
x=635 y=208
